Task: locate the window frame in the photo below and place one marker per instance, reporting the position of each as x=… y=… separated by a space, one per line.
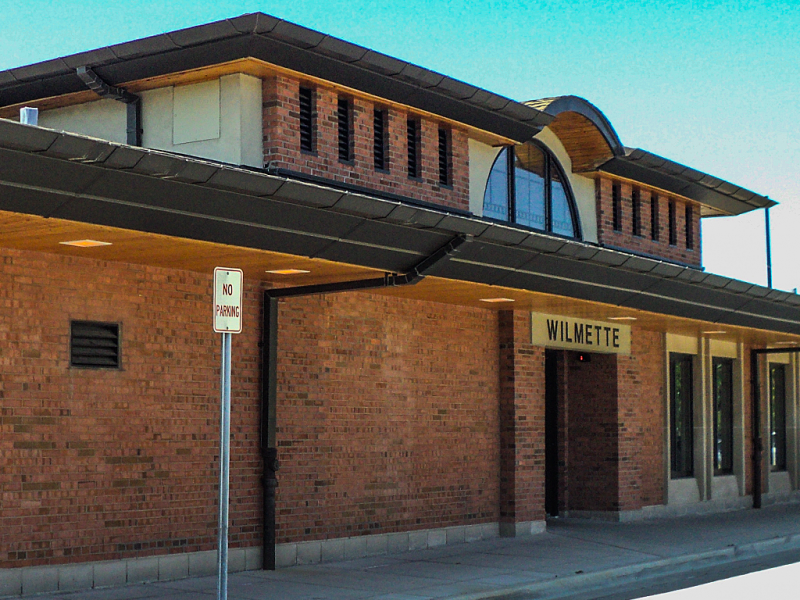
x=616 y=206
x=550 y=162
x=380 y=139
x=673 y=223
x=681 y=466
x=413 y=132
x=688 y=212
x=636 y=212
x=445 y=146
x=655 y=217
x=777 y=452
x=722 y=465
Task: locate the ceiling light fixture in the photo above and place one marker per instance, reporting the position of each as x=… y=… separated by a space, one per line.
x=85 y=243
x=715 y=332
x=496 y=299
x=288 y=271
x=622 y=318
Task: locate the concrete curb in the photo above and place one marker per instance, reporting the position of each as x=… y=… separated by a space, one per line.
x=644 y=570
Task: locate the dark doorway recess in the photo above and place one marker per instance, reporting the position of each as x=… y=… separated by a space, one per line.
x=551 y=432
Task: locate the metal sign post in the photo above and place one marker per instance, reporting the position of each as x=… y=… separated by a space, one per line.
x=227 y=320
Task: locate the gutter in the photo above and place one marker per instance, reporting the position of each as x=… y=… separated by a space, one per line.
x=269 y=367
x=131 y=101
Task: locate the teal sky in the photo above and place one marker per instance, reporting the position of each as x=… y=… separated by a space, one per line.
x=713 y=85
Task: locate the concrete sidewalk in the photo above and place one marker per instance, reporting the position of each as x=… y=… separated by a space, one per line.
x=571 y=555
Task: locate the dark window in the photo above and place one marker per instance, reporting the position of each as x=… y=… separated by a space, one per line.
x=636 y=204
x=379 y=149
x=527 y=186
x=681 y=415
x=445 y=176
x=345 y=117
x=413 y=130
x=94 y=345
x=777 y=417
x=307 y=124
x=723 y=416
x=689 y=227
x=616 y=206
x=673 y=224
x=654 y=224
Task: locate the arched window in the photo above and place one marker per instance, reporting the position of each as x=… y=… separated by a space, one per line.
x=527 y=186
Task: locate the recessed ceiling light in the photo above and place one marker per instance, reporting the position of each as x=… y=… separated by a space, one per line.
x=719 y=331
x=496 y=299
x=85 y=243
x=621 y=318
x=288 y=271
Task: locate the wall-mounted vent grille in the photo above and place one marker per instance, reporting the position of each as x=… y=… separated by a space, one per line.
x=306 y=119
x=689 y=227
x=673 y=224
x=345 y=129
x=616 y=207
x=379 y=148
x=654 y=224
x=636 y=205
x=444 y=157
x=94 y=345
x=413 y=148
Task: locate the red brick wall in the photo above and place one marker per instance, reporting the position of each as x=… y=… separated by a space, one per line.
x=643 y=243
x=641 y=421
x=282 y=146
x=522 y=404
x=387 y=416
x=109 y=464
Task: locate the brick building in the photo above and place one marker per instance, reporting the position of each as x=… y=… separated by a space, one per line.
x=462 y=314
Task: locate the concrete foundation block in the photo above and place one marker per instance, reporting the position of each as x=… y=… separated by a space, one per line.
x=10 y=582
x=332 y=550
x=202 y=564
x=377 y=544
x=112 y=572
x=36 y=580
x=75 y=577
x=396 y=543
x=236 y=560
x=437 y=537
x=173 y=566
x=141 y=570
x=355 y=547
x=455 y=535
x=309 y=553
x=417 y=540
x=253 y=558
x=285 y=555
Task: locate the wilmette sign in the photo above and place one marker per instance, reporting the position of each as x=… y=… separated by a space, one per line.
x=569 y=333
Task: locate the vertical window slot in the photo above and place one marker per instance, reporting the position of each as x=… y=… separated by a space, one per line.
x=307 y=124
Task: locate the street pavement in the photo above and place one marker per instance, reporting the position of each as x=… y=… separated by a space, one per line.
x=575 y=558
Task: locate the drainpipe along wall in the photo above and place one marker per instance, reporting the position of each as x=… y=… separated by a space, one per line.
x=269 y=368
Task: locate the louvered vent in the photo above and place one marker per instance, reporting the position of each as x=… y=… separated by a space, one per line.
x=413 y=148
x=379 y=148
x=345 y=145
x=306 y=119
x=444 y=157
x=94 y=345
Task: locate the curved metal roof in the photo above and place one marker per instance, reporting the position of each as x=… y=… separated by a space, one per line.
x=560 y=104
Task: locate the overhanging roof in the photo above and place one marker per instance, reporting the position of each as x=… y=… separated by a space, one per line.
x=286 y=45
x=66 y=176
x=723 y=197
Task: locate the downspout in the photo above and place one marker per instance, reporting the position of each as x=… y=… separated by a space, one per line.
x=758 y=441
x=269 y=385
x=132 y=102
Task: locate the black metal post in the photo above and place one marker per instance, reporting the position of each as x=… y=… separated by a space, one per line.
x=769 y=248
